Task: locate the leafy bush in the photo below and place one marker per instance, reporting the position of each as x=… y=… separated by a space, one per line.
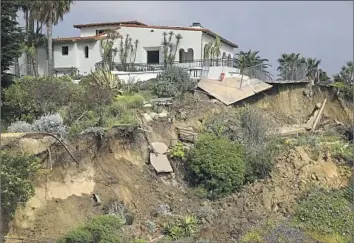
x=182 y=227
x=16 y=187
x=217 y=164
x=326 y=213
x=172 y=82
x=120 y=210
x=52 y=123
x=103 y=228
x=177 y=151
x=31 y=97
x=20 y=126
x=250 y=127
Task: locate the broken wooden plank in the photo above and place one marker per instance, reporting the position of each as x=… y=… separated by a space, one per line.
x=319 y=115
x=293 y=131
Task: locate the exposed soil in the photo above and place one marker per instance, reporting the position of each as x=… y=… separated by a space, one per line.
x=117 y=170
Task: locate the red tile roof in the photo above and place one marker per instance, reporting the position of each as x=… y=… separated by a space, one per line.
x=79 y=26
x=79 y=38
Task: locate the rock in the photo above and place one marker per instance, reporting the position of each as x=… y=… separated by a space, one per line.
x=318 y=105
x=148 y=105
x=153 y=115
x=147 y=118
x=143 y=228
x=163 y=115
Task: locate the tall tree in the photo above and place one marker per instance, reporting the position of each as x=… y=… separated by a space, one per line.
x=312 y=65
x=252 y=65
x=11 y=39
x=50 y=13
x=346 y=74
x=292 y=67
x=323 y=77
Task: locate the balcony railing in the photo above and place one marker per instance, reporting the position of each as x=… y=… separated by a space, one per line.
x=195 y=64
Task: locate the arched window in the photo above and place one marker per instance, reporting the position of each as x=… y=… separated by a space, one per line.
x=206 y=52
x=181 y=55
x=190 y=55
x=229 y=61
x=86 y=52
x=223 y=60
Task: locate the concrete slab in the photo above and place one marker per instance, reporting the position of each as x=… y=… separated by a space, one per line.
x=230 y=91
x=159 y=147
x=160 y=163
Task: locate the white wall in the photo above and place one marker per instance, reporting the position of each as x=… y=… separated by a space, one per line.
x=136 y=76
x=206 y=39
x=85 y=65
x=65 y=61
x=148 y=40
x=214 y=72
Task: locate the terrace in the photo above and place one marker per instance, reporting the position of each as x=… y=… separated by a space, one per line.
x=211 y=68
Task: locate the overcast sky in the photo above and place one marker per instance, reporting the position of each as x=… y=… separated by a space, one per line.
x=322 y=29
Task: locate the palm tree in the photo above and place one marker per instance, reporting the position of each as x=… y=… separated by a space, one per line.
x=322 y=77
x=291 y=67
x=312 y=67
x=50 y=13
x=252 y=65
x=346 y=74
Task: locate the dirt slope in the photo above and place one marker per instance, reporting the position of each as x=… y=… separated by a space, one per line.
x=116 y=169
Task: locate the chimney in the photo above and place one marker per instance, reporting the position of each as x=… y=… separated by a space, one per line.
x=196 y=25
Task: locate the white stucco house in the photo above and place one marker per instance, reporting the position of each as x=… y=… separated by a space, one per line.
x=81 y=53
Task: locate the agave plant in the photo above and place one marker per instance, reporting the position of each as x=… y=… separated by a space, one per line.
x=104 y=78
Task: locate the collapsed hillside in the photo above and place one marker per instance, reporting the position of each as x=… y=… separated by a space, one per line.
x=115 y=167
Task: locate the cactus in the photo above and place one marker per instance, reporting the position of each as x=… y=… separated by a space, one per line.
x=170 y=49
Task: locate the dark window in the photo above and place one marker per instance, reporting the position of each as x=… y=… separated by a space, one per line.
x=86 y=52
x=153 y=57
x=98 y=32
x=65 y=50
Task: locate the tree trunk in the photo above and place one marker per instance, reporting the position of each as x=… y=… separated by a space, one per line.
x=34 y=62
x=28 y=56
x=50 y=47
x=17 y=68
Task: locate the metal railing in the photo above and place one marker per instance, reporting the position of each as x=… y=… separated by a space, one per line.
x=289 y=73
x=195 y=64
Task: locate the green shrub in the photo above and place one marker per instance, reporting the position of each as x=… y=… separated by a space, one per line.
x=134 y=101
x=16 y=174
x=182 y=227
x=250 y=127
x=217 y=164
x=30 y=97
x=103 y=229
x=177 y=151
x=172 y=82
x=326 y=213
